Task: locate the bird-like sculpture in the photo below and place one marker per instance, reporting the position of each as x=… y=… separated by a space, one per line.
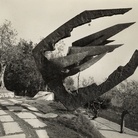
x=82 y=54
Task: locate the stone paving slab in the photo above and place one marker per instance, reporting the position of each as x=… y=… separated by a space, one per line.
x=16 y=108
x=2 y=112
x=111 y=130
x=15 y=101
x=35 y=123
x=6 y=103
x=26 y=105
x=100 y=126
x=11 y=128
x=107 y=122
x=6 y=95
x=1 y=100
x=14 y=136
x=115 y=126
x=48 y=115
x=6 y=118
x=26 y=115
x=32 y=108
x=42 y=134
x=114 y=134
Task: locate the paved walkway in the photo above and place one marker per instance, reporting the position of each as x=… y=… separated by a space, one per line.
x=112 y=130
x=18 y=120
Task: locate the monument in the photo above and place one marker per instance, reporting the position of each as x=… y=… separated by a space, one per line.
x=84 y=53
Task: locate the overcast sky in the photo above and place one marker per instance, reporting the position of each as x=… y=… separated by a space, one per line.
x=35 y=19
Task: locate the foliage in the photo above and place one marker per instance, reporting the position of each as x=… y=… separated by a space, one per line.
x=87 y=82
x=58 y=52
x=125 y=94
x=7 y=41
x=22 y=71
x=125 y=97
x=99 y=103
x=20 y=65
x=131 y=98
x=72 y=83
x=69 y=84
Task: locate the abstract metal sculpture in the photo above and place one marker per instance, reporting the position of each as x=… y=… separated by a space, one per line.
x=83 y=53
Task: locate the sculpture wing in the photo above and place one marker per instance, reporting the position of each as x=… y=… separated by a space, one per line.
x=64 y=31
x=78 y=58
x=102 y=36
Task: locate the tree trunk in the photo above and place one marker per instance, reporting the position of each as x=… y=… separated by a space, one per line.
x=3 y=66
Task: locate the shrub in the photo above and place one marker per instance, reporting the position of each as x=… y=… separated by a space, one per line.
x=23 y=71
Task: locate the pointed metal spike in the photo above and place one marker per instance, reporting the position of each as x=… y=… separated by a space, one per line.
x=90 y=62
x=100 y=50
x=107 y=42
x=69 y=60
x=94 y=49
x=48 y=43
x=101 y=36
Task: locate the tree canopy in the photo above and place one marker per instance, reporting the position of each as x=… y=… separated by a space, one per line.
x=23 y=72
x=7 y=41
